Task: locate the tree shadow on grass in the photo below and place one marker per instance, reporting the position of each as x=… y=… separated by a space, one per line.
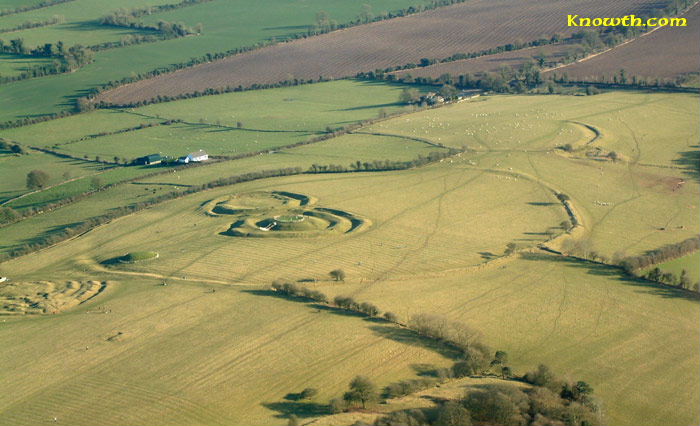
x=301 y=409
x=410 y=337
x=690 y=161
x=362 y=107
x=425 y=370
x=616 y=274
x=40 y=238
x=380 y=326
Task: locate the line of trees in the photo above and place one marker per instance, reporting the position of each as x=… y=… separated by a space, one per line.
x=56 y=19
x=298 y=291
x=633 y=264
x=383 y=165
x=88 y=100
x=345 y=303
x=681 y=281
x=40 y=5
x=475 y=356
x=621 y=79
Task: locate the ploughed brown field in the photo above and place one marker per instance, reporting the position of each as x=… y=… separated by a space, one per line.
x=490 y=63
x=665 y=53
x=468 y=27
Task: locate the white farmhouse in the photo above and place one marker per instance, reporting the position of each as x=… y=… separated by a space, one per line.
x=194 y=157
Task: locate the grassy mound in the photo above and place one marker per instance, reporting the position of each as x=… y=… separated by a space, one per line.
x=133 y=257
x=259 y=201
x=281 y=214
x=139 y=256
x=299 y=223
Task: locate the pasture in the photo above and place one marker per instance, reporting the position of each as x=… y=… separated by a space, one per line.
x=582 y=319
x=156 y=307
x=12 y=65
x=189 y=356
x=617 y=200
x=14 y=170
x=437 y=233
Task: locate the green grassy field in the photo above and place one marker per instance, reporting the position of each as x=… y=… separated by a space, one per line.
x=12 y=65
x=14 y=169
x=80 y=24
x=12 y=4
x=269 y=119
x=79 y=184
x=296 y=114
x=242 y=23
x=434 y=245
x=689 y=263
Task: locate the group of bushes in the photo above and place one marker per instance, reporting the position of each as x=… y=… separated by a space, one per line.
x=56 y=19
x=549 y=402
x=681 y=281
x=65 y=60
x=126 y=19
x=11 y=147
x=293 y=290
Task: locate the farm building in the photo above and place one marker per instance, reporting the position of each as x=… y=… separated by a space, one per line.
x=150 y=159
x=194 y=157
